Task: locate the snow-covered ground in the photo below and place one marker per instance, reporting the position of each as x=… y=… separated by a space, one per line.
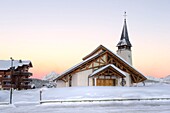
x=27 y=101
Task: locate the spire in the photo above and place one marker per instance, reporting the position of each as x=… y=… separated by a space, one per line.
x=124 y=40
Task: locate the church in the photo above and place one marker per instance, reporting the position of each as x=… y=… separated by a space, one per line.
x=102 y=67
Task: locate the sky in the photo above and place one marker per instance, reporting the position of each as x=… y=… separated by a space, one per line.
x=56 y=34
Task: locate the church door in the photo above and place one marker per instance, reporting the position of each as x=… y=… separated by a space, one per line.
x=106 y=82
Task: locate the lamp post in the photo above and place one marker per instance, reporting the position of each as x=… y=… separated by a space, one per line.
x=11 y=79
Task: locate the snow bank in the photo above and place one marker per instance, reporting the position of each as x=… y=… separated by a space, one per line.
x=107 y=92
x=4 y=96
x=78 y=93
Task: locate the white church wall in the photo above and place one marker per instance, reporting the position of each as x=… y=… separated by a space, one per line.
x=61 y=83
x=74 y=80
x=119 y=81
x=83 y=77
x=128 y=80
x=67 y=84
x=90 y=81
x=126 y=55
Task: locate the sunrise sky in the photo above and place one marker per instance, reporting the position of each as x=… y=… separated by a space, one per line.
x=57 y=34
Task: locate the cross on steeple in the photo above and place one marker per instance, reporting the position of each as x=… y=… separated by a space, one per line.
x=125 y=15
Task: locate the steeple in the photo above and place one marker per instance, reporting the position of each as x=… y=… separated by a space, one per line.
x=124 y=45
x=124 y=42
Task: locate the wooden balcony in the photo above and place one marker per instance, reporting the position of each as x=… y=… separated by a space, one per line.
x=26 y=80
x=6 y=79
x=7 y=87
x=20 y=73
x=26 y=87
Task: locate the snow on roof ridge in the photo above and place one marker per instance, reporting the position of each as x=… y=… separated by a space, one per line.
x=104 y=67
x=76 y=65
x=125 y=61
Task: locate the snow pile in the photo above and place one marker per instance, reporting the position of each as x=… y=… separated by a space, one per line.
x=78 y=93
x=4 y=96
x=51 y=76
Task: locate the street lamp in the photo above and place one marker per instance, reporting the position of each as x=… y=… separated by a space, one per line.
x=11 y=79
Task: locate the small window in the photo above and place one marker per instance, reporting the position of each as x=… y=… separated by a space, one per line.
x=7 y=76
x=7 y=83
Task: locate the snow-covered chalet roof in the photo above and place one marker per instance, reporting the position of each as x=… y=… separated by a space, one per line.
x=109 y=65
x=6 y=64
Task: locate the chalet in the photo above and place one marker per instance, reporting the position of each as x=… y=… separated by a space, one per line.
x=102 y=67
x=14 y=74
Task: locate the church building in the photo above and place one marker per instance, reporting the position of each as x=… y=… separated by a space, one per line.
x=102 y=67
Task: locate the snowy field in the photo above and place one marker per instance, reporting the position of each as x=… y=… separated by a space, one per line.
x=27 y=101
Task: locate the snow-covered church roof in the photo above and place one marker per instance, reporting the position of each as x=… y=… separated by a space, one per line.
x=95 y=55
x=109 y=65
x=6 y=64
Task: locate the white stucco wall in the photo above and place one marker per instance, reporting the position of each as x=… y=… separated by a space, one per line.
x=61 y=83
x=90 y=81
x=128 y=80
x=81 y=78
x=74 y=80
x=125 y=54
x=119 y=80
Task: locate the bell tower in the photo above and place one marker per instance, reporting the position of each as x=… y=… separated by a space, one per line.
x=124 y=45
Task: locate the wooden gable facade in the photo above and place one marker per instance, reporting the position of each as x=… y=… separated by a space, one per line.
x=97 y=59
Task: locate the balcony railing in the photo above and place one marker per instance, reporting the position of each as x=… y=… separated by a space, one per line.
x=21 y=86
x=26 y=80
x=21 y=73
x=6 y=79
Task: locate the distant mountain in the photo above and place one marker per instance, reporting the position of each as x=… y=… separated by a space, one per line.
x=158 y=80
x=151 y=78
x=38 y=83
x=167 y=78
x=51 y=76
